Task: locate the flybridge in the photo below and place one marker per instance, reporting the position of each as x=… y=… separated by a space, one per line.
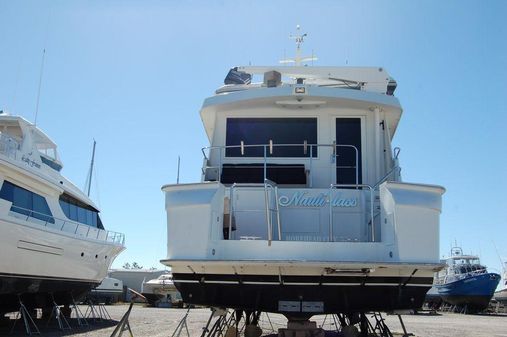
x=371 y=79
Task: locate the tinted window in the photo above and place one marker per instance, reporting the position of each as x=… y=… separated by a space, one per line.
x=259 y=131
x=89 y=215
x=26 y=202
x=41 y=207
x=80 y=212
x=81 y=215
x=52 y=164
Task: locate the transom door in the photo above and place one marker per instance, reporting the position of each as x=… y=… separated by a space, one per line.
x=348 y=150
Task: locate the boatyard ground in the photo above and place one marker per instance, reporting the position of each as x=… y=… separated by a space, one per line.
x=158 y=322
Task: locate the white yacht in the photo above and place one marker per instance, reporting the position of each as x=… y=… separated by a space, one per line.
x=160 y=288
x=301 y=209
x=109 y=291
x=54 y=245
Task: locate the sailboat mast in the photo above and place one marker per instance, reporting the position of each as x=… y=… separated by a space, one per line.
x=91 y=169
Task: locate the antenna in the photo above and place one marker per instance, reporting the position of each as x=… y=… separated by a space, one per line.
x=178 y=174
x=501 y=262
x=40 y=84
x=300 y=38
x=89 y=178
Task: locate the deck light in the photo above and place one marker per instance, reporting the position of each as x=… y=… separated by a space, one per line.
x=300 y=90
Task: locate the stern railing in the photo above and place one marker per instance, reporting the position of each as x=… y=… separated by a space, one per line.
x=269 y=149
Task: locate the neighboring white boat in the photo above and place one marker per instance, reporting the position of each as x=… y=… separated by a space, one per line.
x=54 y=245
x=301 y=209
x=501 y=295
x=108 y=291
x=160 y=288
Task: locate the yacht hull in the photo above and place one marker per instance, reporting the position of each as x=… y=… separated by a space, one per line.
x=474 y=292
x=38 y=264
x=300 y=289
x=304 y=294
x=37 y=292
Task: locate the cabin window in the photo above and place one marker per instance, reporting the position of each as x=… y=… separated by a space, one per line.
x=26 y=202
x=280 y=131
x=55 y=166
x=80 y=212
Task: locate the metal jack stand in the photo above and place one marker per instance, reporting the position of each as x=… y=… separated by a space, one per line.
x=124 y=324
x=380 y=326
x=335 y=322
x=182 y=324
x=96 y=312
x=405 y=333
x=81 y=320
x=103 y=313
x=27 y=320
x=269 y=321
x=223 y=323
x=63 y=324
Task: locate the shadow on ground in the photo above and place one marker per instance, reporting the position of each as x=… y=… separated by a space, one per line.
x=51 y=328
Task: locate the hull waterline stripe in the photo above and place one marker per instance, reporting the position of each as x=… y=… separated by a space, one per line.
x=307 y=284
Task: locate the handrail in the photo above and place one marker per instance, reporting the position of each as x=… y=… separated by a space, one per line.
x=384 y=178
x=116 y=237
x=271 y=146
x=333 y=186
x=268 y=184
x=457 y=277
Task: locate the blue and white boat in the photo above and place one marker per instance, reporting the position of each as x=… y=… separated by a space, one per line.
x=465 y=282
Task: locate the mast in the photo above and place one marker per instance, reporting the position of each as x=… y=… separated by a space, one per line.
x=40 y=84
x=298 y=59
x=178 y=175
x=90 y=173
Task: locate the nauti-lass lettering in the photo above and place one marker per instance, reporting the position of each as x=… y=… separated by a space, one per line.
x=301 y=199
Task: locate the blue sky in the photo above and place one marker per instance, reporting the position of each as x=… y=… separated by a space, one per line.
x=133 y=76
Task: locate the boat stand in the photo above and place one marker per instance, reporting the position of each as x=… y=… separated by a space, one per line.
x=81 y=320
x=228 y=323
x=334 y=322
x=63 y=324
x=270 y=328
x=219 y=324
x=96 y=312
x=124 y=324
x=182 y=324
x=30 y=326
x=346 y=324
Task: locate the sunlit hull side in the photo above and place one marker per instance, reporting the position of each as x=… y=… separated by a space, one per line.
x=39 y=264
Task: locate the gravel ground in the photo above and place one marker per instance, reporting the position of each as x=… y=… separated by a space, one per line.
x=158 y=322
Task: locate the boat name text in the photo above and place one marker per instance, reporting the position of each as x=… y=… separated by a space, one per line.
x=30 y=162
x=300 y=199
